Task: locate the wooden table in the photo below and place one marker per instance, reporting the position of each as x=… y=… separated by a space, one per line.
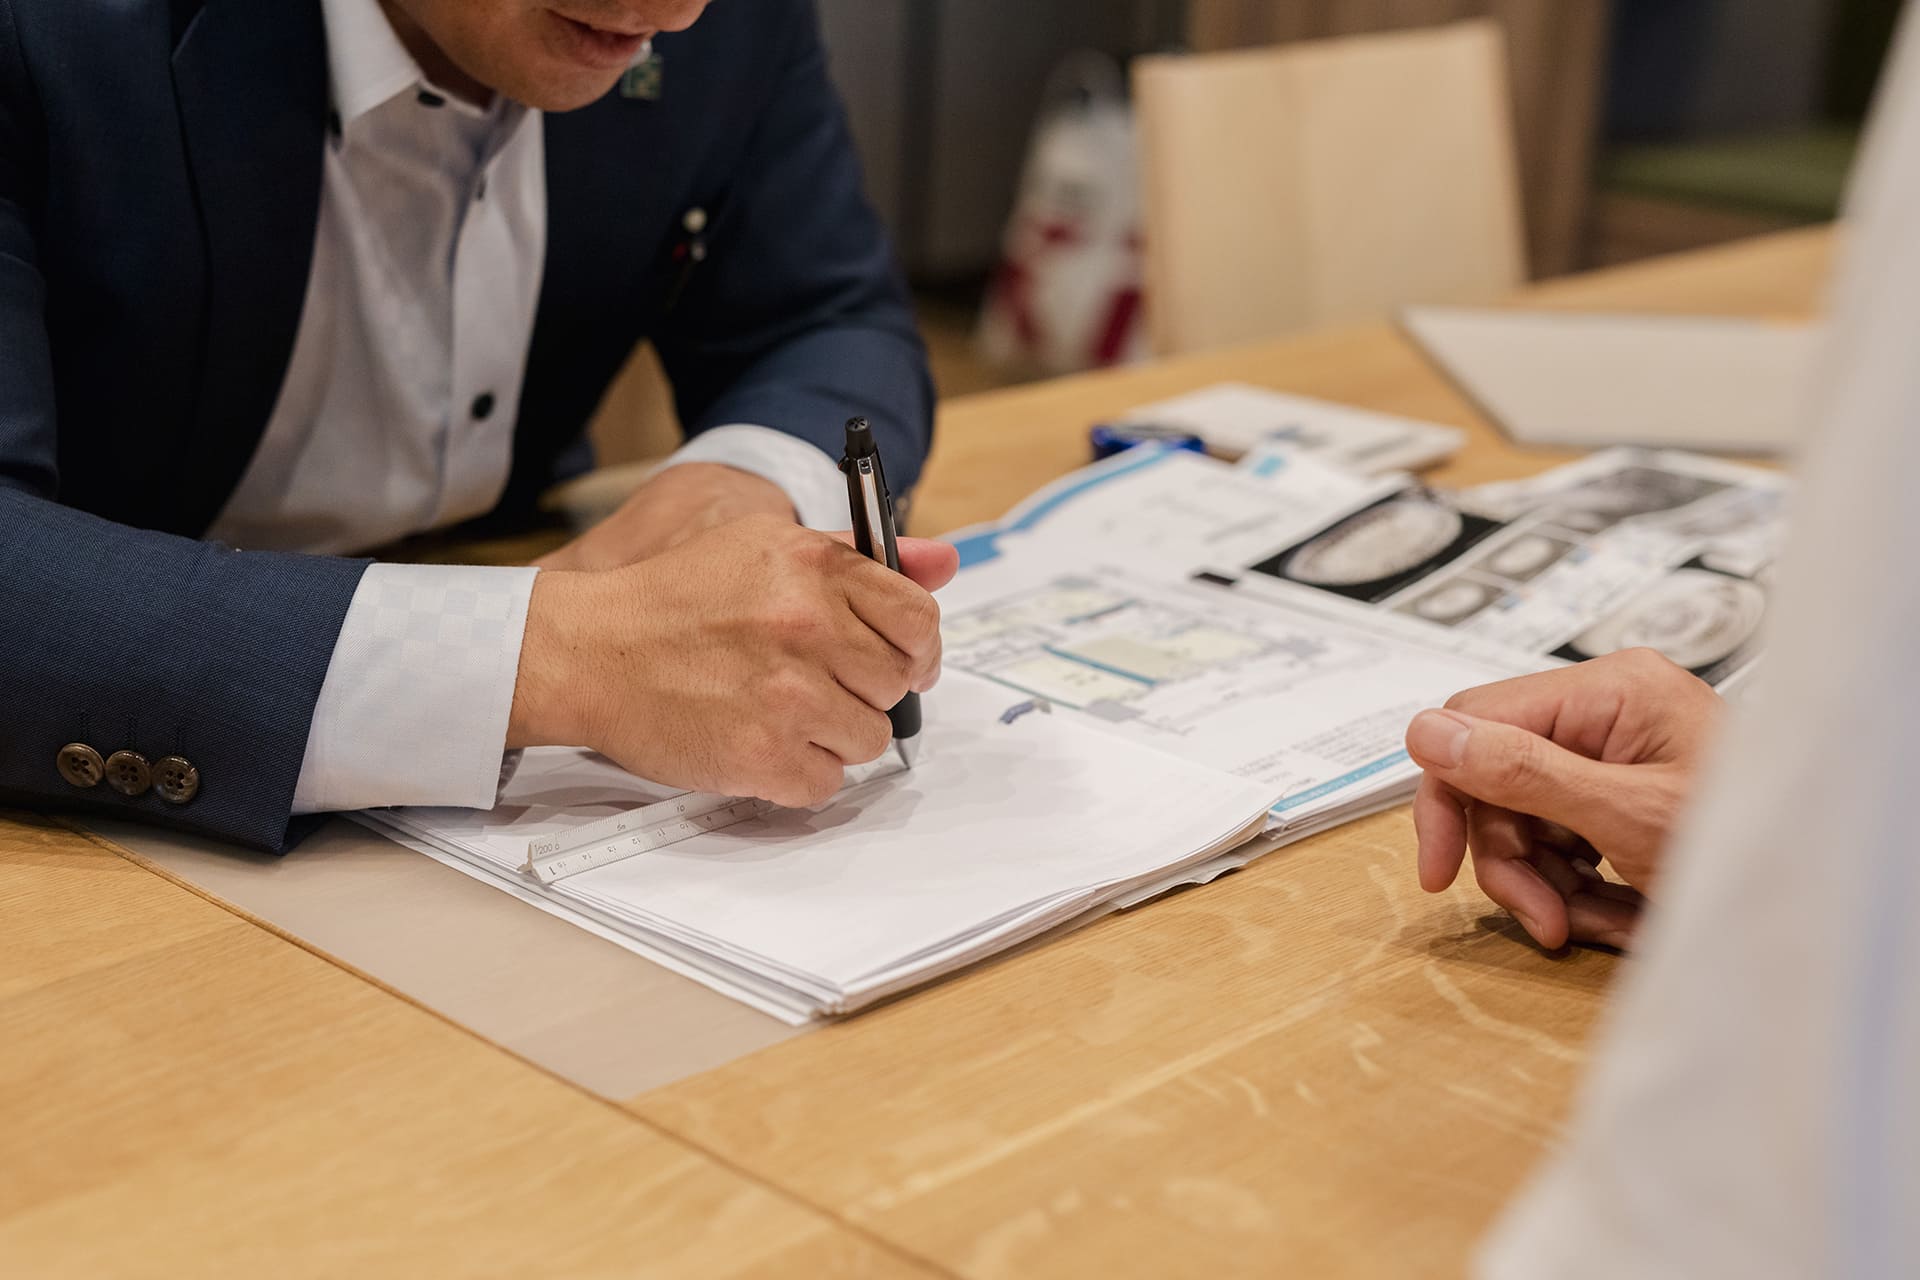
x=1306 y=1068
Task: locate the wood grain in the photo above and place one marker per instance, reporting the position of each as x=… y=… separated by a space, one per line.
x=1308 y=1068
x=183 y=1093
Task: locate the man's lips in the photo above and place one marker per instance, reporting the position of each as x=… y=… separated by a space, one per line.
x=598 y=47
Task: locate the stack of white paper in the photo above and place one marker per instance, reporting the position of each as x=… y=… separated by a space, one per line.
x=1233 y=418
x=1006 y=827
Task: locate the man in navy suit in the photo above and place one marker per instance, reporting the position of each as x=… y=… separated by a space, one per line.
x=283 y=280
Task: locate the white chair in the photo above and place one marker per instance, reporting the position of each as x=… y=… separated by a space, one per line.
x=1327 y=182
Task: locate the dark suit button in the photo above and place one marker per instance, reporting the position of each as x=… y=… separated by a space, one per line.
x=128 y=773
x=483 y=406
x=176 y=780
x=80 y=765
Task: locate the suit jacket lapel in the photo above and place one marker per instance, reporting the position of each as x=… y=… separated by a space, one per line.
x=251 y=81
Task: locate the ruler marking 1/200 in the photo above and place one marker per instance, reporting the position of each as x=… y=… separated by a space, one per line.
x=656 y=826
x=645 y=833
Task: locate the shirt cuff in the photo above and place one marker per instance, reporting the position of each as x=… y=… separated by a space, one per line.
x=415 y=705
x=811 y=480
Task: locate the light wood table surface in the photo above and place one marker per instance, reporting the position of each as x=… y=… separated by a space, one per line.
x=1308 y=1067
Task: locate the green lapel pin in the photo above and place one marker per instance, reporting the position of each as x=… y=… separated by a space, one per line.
x=642 y=81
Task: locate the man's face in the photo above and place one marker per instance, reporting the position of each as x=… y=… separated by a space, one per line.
x=554 y=55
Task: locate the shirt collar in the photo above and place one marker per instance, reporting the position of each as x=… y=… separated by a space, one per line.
x=367 y=62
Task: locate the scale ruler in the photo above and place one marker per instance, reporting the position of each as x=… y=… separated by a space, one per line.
x=637 y=831
x=659 y=825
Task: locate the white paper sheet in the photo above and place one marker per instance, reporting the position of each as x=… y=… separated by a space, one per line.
x=1235 y=418
x=1165 y=512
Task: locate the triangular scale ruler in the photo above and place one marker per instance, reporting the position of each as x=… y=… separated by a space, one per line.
x=662 y=824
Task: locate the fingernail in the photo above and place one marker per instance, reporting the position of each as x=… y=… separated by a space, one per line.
x=1439 y=738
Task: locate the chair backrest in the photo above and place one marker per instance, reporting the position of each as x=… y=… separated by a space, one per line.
x=1326 y=182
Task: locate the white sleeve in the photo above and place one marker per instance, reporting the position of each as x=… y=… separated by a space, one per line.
x=810 y=479
x=1753 y=1110
x=414 y=708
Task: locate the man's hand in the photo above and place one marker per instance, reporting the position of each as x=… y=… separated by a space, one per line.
x=678 y=503
x=757 y=659
x=1547 y=775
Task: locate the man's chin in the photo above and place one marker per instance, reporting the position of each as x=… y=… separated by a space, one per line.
x=557 y=95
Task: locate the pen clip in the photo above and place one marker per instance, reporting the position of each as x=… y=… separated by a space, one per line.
x=874 y=532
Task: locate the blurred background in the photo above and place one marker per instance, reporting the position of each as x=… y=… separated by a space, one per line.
x=1072 y=183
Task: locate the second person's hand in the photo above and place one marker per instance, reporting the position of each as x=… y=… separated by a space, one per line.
x=756 y=659
x=1545 y=776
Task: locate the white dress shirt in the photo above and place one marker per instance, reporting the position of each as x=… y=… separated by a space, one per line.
x=397 y=416
x=1754 y=1110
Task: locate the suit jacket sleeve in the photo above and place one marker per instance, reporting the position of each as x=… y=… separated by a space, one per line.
x=798 y=319
x=122 y=638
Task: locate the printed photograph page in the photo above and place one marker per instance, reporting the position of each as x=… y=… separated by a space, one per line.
x=1166 y=512
x=1628 y=548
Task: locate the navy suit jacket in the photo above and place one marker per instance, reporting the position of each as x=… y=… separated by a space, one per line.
x=160 y=178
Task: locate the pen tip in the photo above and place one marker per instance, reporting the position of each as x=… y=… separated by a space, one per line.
x=909 y=749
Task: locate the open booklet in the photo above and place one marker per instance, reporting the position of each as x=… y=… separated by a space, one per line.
x=1157 y=669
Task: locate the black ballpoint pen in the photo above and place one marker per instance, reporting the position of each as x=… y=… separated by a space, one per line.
x=874 y=537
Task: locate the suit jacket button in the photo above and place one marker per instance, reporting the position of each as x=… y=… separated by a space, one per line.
x=176 y=779
x=127 y=773
x=80 y=765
